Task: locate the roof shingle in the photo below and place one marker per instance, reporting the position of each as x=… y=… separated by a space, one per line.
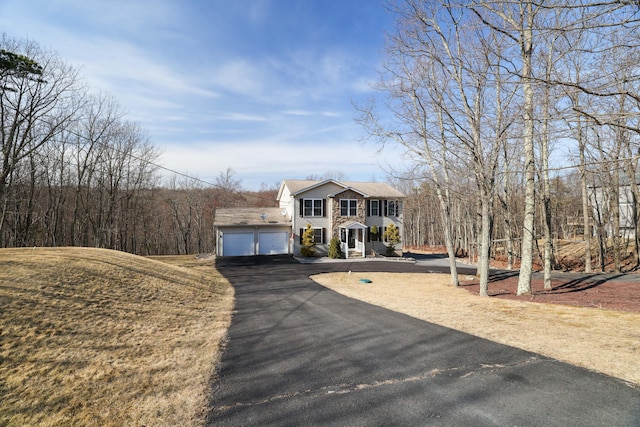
x=371 y=189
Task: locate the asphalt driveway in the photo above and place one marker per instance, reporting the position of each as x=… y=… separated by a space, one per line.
x=299 y=354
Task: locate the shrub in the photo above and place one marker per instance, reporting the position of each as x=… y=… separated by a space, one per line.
x=307 y=251
x=308 y=242
x=392 y=235
x=374 y=231
x=334 y=248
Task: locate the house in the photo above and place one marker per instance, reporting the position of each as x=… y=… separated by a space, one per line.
x=600 y=198
x=357 y=213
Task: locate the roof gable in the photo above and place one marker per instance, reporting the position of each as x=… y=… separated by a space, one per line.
x=367 y=189
x=342 y=190
x=304 y=186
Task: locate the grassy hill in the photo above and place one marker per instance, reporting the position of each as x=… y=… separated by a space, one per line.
x=98 y=337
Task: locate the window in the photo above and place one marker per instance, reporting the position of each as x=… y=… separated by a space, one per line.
x=312 y=207
x=374 y=237
x=318 y=235
x=374 y=207
x=393 y=207
x=348 y=207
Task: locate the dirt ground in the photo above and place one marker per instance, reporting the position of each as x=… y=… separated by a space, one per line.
x=618 y=294
x=596 y=291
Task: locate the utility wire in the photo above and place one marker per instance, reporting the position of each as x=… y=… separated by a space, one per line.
x=182 y=174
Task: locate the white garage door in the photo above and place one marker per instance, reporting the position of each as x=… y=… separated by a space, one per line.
x=273 y=243
x=237 y=244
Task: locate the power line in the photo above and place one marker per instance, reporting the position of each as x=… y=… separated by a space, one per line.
x=173 y=171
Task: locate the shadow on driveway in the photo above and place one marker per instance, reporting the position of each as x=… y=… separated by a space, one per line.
x=300 y=354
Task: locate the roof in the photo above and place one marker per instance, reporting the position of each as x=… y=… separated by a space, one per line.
x=352 y=225
x=342 y=190
x=250 y=216
x=368 y=189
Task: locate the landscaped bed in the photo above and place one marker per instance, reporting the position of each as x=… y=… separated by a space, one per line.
x=594 y=291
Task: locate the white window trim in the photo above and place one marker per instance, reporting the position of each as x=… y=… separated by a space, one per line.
x=396 y=208
x=314 y=203
x=348 y=201
x=322 y=235
x=321 y=242
x=377 y=211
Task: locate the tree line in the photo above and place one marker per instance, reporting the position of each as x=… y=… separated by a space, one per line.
x=479 y=92
x=75 y=172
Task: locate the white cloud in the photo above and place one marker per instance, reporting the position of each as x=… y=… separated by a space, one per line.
x=256 y=161
x=306 y=113
x=240 y=117
x=119 y=66
x=261 y=110
x=240 y=76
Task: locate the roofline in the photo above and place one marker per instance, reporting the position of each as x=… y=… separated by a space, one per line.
x=340 y=184
x=352 y=225
x=347 y=189
x=254 y=224
x=319 y=184
x=280 y=190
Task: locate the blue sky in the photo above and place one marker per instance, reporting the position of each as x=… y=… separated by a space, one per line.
x=264 y=87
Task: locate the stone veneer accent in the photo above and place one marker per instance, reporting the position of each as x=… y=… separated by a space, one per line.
x=337 y=220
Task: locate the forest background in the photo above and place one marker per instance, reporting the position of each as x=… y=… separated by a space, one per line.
x=478 y=93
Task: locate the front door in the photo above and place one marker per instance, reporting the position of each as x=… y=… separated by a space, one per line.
x=352 y=238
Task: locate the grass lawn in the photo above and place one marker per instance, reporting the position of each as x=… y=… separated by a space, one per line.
x=99 y=337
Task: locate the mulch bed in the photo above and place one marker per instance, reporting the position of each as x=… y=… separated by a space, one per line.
x=590 y=292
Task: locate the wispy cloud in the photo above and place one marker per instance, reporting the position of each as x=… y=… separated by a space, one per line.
x=241 y=117
x=255 y=85
x=269 y=155
x=240 y=76
x=307 y=113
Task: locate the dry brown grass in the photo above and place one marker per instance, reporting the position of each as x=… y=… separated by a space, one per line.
x=600 y=340
x=97 y=337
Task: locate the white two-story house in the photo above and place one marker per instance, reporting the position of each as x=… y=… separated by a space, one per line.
x=357 y=213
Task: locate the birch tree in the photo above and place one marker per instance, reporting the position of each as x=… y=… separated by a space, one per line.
x=516 y=21
x=447 y=86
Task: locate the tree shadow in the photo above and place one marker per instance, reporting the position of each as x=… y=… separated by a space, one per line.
x=579 y=284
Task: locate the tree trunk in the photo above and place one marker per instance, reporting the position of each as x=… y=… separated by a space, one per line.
x=485 y=242
x=585 y=202
x=526 y=266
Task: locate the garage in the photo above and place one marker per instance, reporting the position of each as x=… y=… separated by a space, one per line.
x=273 y=243
x=238 y=244
x=251 y=232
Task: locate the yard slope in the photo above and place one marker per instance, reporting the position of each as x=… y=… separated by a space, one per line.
x=99 y=337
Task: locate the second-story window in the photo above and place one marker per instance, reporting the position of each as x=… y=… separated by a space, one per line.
x=394 y=208
x=348 y=207
x=312 y=207
x=374 y=208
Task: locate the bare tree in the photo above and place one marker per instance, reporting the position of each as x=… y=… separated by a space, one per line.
x=32 y=110
x=517 y=22
x=449 y=92
x=228 y=190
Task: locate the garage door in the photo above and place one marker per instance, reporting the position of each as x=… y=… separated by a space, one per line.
x=273 y=243
x=237 y=244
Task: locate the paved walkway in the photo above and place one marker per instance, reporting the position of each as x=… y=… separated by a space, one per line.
x=299 y=354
